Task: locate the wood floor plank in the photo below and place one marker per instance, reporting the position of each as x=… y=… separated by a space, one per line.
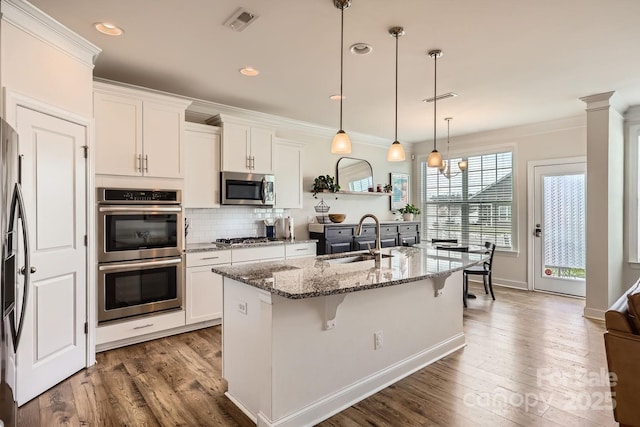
x=92 y=401
x=57 y=406
x=515 y=346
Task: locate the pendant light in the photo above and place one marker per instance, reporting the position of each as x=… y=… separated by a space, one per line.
x=435 y=158
x=445 y=168
x=341 y=143
x=396 y=152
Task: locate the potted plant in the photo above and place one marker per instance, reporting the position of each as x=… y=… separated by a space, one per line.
x=324 y=184
x=409 y=211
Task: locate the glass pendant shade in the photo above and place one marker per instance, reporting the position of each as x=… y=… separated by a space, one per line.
x=462 y=164
x=341 y=143
x=396 y=153
x=435 y=159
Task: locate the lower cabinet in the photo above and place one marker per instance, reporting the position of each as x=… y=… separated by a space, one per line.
x=408 y=234
x=342 y=238
x=203 y=288
x=299 y=250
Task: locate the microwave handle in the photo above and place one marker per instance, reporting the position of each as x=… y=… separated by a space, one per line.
x=264 y=190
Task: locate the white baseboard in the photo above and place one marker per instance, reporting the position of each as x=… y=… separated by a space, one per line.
x=331 y=405
x=593 y=313
x=506 y=283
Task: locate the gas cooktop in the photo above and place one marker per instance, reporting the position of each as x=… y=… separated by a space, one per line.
x=244 y=240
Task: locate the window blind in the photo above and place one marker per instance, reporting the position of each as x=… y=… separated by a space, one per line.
x=475 y=206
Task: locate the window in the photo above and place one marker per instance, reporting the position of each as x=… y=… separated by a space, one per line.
x=475 y=206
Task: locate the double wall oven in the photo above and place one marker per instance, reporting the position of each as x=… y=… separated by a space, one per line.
x=140 y=259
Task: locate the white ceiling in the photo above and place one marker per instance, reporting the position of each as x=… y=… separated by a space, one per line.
x=511 y=61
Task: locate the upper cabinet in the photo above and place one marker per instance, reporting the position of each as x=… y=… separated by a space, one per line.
x=287 y=159
x=245 y=146
x=138 y=133
x=202 y=170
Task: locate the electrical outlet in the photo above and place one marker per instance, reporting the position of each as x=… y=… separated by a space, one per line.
x=242 y=307
x=377 y=340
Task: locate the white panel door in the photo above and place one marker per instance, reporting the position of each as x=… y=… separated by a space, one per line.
x=118 y=132
x=235 y=147
x=261 y=150
x=53 y=344
x=560 y=228
x=203 y=294
x=162 y=146
x=287 y=159
x=202 y=166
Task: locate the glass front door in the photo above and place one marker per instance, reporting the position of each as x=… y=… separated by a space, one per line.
x=559 y=229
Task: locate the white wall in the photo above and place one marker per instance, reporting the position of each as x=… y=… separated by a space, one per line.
x=548 y=140
x=50 y=75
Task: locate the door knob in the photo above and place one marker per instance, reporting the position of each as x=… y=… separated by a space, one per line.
x=538 y=231
x=31 y=270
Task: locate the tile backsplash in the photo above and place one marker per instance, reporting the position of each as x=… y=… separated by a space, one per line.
x=206 y=225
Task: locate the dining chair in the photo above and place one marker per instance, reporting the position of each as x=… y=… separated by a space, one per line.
x=484 y=270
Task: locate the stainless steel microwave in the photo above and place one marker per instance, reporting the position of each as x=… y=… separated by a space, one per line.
x=238 y=188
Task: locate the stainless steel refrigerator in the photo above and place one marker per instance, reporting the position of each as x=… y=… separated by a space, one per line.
x=16 y=268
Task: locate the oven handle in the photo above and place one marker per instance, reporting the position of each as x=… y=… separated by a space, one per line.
x=121 y=266
x=139 y=209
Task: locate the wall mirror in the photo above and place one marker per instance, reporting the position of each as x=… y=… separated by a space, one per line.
x=354 y=175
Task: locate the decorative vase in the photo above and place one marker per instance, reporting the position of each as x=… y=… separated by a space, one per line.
x=407 y=216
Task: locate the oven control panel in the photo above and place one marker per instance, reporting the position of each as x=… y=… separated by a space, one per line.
x=122 y=195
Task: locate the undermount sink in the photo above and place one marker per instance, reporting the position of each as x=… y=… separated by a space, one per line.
x=355 y=258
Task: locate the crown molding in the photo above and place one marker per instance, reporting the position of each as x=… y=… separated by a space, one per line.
x=35 y=22
x=207 y=109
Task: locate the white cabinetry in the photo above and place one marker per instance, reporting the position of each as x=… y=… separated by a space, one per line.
x=202 y=166
x=287 y=158
x=258 y=253
x=125 y=333
x=245 y=146
x=138 y=133
x=299 y=250
x=203 y=287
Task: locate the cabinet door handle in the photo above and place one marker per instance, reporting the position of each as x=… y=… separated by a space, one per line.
x=148 y=325
x=248 y=162
x=301 y=249
x=146 y=163
x=139 y=160
x=210 y=257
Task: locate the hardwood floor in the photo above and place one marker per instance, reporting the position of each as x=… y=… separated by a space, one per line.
x=531 y=359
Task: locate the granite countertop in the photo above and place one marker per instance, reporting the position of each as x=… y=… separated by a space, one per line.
x=215 y=246
x=333 y=274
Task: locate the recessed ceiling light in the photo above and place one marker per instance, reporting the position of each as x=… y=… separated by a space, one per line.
x=337 y=97
x=443 y=96
x=249 y=71
x=361 y=49
x=108 y=28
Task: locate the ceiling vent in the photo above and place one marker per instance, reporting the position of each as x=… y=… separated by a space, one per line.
x=240 y=19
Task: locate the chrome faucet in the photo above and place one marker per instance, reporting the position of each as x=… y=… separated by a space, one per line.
x=377 y=251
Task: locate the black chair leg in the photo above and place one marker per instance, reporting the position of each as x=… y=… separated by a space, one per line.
x=491 y=287
x=484 y=282
x=465 y=288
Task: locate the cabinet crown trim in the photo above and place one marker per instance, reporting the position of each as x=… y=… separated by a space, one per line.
x=35 y=22
x=109 y=87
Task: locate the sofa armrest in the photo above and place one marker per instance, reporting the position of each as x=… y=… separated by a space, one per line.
x=623 y=360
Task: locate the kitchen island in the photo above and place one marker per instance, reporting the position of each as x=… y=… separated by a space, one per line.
x=304 y=339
